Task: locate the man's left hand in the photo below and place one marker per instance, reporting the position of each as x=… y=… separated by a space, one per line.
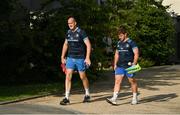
x=87 y=61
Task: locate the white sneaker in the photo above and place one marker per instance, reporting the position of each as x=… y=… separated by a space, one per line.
x=134 y=101
x=111 y=101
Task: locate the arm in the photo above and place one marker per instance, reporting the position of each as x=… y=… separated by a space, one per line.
x=136 y=55
x=116 y=57
x=64 y=50
x=88 y=51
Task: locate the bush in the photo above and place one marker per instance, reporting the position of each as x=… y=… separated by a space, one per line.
x=146 y=62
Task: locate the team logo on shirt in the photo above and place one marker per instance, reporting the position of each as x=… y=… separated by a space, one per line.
x=123 y=49
x=127 y=45
x=77 y=35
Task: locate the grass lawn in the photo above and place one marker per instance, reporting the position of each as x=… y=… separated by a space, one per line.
x=8 y=93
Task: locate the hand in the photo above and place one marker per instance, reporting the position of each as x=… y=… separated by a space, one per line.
x=87 y=61
x=63 y=67
x=134 y=63
x=63 y=60
x=131 y=64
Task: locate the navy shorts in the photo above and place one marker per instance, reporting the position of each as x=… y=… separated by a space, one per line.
x=75 y=64
x=122 y=71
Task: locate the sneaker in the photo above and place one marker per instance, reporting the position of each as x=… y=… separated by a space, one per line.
x=65 y=101
x=86 y=99
x=134 y=101
x=111 y=101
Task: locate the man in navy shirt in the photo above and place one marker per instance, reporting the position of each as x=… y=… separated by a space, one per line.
x=126 y=55
x=78 y=48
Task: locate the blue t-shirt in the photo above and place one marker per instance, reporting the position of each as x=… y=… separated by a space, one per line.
x=76 y=45
x=126 y=53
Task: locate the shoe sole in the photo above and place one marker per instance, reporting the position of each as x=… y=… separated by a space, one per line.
x=110 y=102
x=87 y=101
x=64 y=103
x=134 y=103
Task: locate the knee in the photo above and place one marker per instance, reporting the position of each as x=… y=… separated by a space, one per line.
x=68 y=77
x=117 y=82
x=133 y=82
x=83 y=78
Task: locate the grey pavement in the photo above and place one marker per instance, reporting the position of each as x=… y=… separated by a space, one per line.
x=159 y=93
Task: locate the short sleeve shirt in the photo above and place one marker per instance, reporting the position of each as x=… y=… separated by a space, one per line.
x=126 y=54
x=76 y=45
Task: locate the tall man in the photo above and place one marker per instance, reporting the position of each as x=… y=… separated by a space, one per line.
x=78 y=48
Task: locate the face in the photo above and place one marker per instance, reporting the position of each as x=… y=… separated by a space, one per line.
x=122 y=36
x=72 y=23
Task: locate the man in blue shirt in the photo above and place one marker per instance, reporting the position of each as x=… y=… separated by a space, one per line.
x=126 y=55
x=78 y=48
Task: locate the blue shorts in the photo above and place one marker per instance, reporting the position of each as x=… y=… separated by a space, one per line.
x=75 y=64
x=122 y=71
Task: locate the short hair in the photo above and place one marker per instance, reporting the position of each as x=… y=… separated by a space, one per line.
x=71 y=17
x=122 y=30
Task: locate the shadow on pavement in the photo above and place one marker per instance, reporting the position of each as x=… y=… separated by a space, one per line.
x=161 y=76
x=149 y=79
x=158 y=98
x=154 y=98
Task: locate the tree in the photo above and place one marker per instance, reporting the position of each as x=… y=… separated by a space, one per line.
x=33 y=54
x=149 y=25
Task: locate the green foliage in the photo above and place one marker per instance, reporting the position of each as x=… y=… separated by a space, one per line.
x=17 y=92
x=149 y=25
x=26 y=55
x=145 y=62
x=33 y=54
x=155 y=30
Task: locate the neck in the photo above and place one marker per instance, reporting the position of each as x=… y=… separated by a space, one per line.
x=73 y=30
x=125 y=39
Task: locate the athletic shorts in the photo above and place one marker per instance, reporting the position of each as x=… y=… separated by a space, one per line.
x=122 y=71
x=75 y=64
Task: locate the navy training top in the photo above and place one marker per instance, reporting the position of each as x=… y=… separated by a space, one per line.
x=126 y=53
x=76 y=45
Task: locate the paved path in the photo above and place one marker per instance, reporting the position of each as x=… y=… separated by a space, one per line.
x=33 y=109
x=159 y=92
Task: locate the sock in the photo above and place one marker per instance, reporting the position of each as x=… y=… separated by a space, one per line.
x=134 y=95
x=86 y=91
x=115 y=95
x=67 y=94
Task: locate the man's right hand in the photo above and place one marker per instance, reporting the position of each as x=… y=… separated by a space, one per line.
x=63 y=60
